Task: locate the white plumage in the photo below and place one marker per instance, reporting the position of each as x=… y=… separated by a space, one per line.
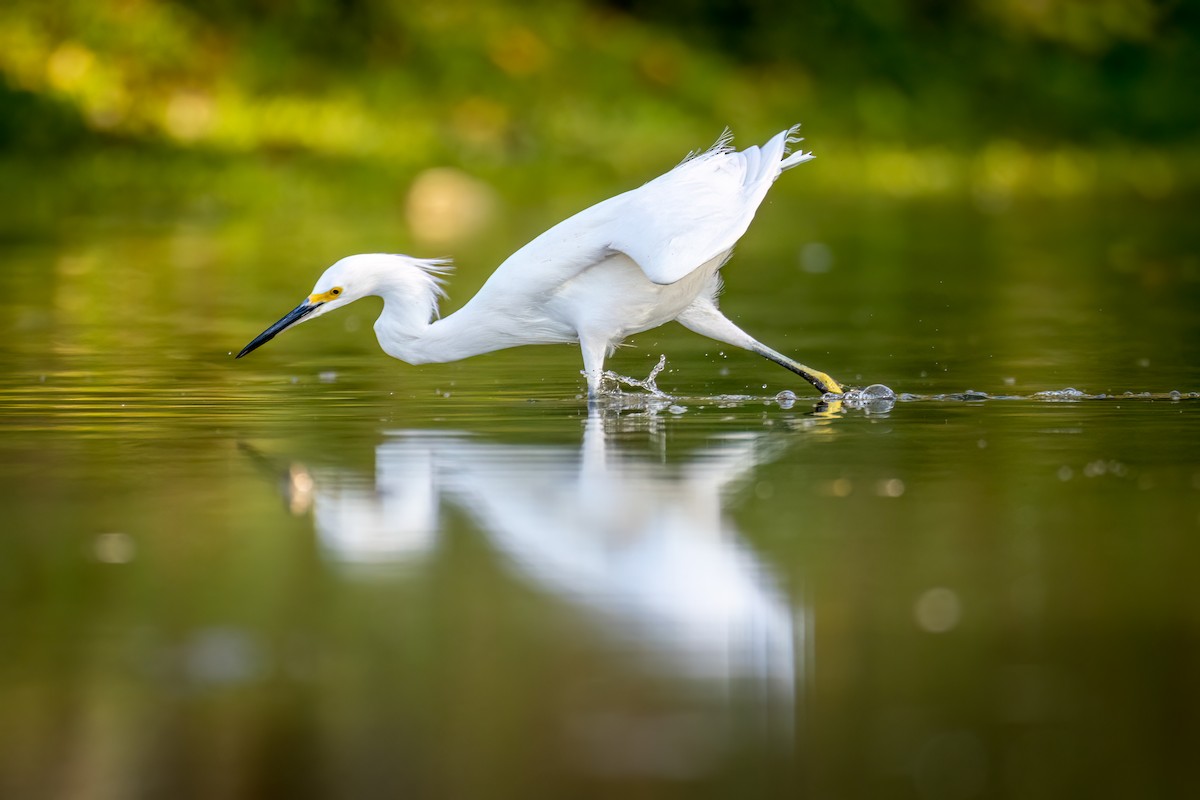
x=625 y=265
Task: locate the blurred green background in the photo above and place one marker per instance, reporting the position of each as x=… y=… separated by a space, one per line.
x=259 y=141
x=921 y=96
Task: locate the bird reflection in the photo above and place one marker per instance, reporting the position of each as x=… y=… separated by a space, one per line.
x=639 y=544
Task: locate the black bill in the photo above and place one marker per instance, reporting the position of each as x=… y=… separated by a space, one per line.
x=291 y=318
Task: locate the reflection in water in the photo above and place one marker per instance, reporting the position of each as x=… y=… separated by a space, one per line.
x=642 y=549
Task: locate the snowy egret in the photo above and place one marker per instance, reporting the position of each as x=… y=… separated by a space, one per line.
x=623 y=266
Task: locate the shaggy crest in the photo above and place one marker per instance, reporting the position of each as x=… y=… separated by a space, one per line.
x=437 y=270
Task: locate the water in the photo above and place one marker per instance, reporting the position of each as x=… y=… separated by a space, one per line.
x=318 y=572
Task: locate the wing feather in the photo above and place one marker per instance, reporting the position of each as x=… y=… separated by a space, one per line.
x=669 y=226
x=697 y=211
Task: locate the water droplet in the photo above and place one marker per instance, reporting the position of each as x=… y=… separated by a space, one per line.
x=877 y=391
x=816 y=258
x=937 y=610
x=223 y=656
x=114 y=548
x=840 y=487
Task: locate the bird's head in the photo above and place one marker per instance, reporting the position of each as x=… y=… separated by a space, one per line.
x=342 y=283
x=359 y=276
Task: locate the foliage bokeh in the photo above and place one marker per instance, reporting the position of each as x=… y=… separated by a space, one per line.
x=925 y=95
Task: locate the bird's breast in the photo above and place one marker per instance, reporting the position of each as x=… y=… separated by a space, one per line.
x=615 y=299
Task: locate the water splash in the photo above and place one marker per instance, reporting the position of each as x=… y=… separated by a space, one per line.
x=873 y=393
x=786 y=398
x=875 y=399
x=1068 y=395
x=1060 y=395
x=646 y=385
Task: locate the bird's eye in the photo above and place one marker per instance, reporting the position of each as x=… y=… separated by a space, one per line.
x=336 y=292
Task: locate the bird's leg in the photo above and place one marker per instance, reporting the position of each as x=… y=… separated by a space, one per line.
x=594 y=349
x=703 y=317
x=824 y=383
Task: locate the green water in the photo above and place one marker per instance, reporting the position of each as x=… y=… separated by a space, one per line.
x=319 y=572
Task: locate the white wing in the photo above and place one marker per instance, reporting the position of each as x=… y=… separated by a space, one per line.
x=669 y=226
x=697 y=211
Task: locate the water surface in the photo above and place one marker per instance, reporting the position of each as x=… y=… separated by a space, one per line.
x=319 y=572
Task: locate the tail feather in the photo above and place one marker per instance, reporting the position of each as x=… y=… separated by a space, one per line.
x=799 y=157
x=723 y=144
x=796 y=158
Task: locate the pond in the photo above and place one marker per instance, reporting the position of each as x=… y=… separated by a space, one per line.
x=316 y=571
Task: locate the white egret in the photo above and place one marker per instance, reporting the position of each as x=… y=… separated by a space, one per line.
x=623 y=266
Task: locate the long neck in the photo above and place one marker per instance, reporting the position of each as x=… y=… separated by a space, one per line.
x=406 y=331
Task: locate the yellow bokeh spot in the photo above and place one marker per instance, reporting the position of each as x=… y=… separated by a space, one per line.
x=518 y=51
x=480 y=121
x=68 y=66
x=445 y=204
x=188 y=116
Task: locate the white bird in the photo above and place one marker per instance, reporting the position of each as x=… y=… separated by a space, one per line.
x=623 y=266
